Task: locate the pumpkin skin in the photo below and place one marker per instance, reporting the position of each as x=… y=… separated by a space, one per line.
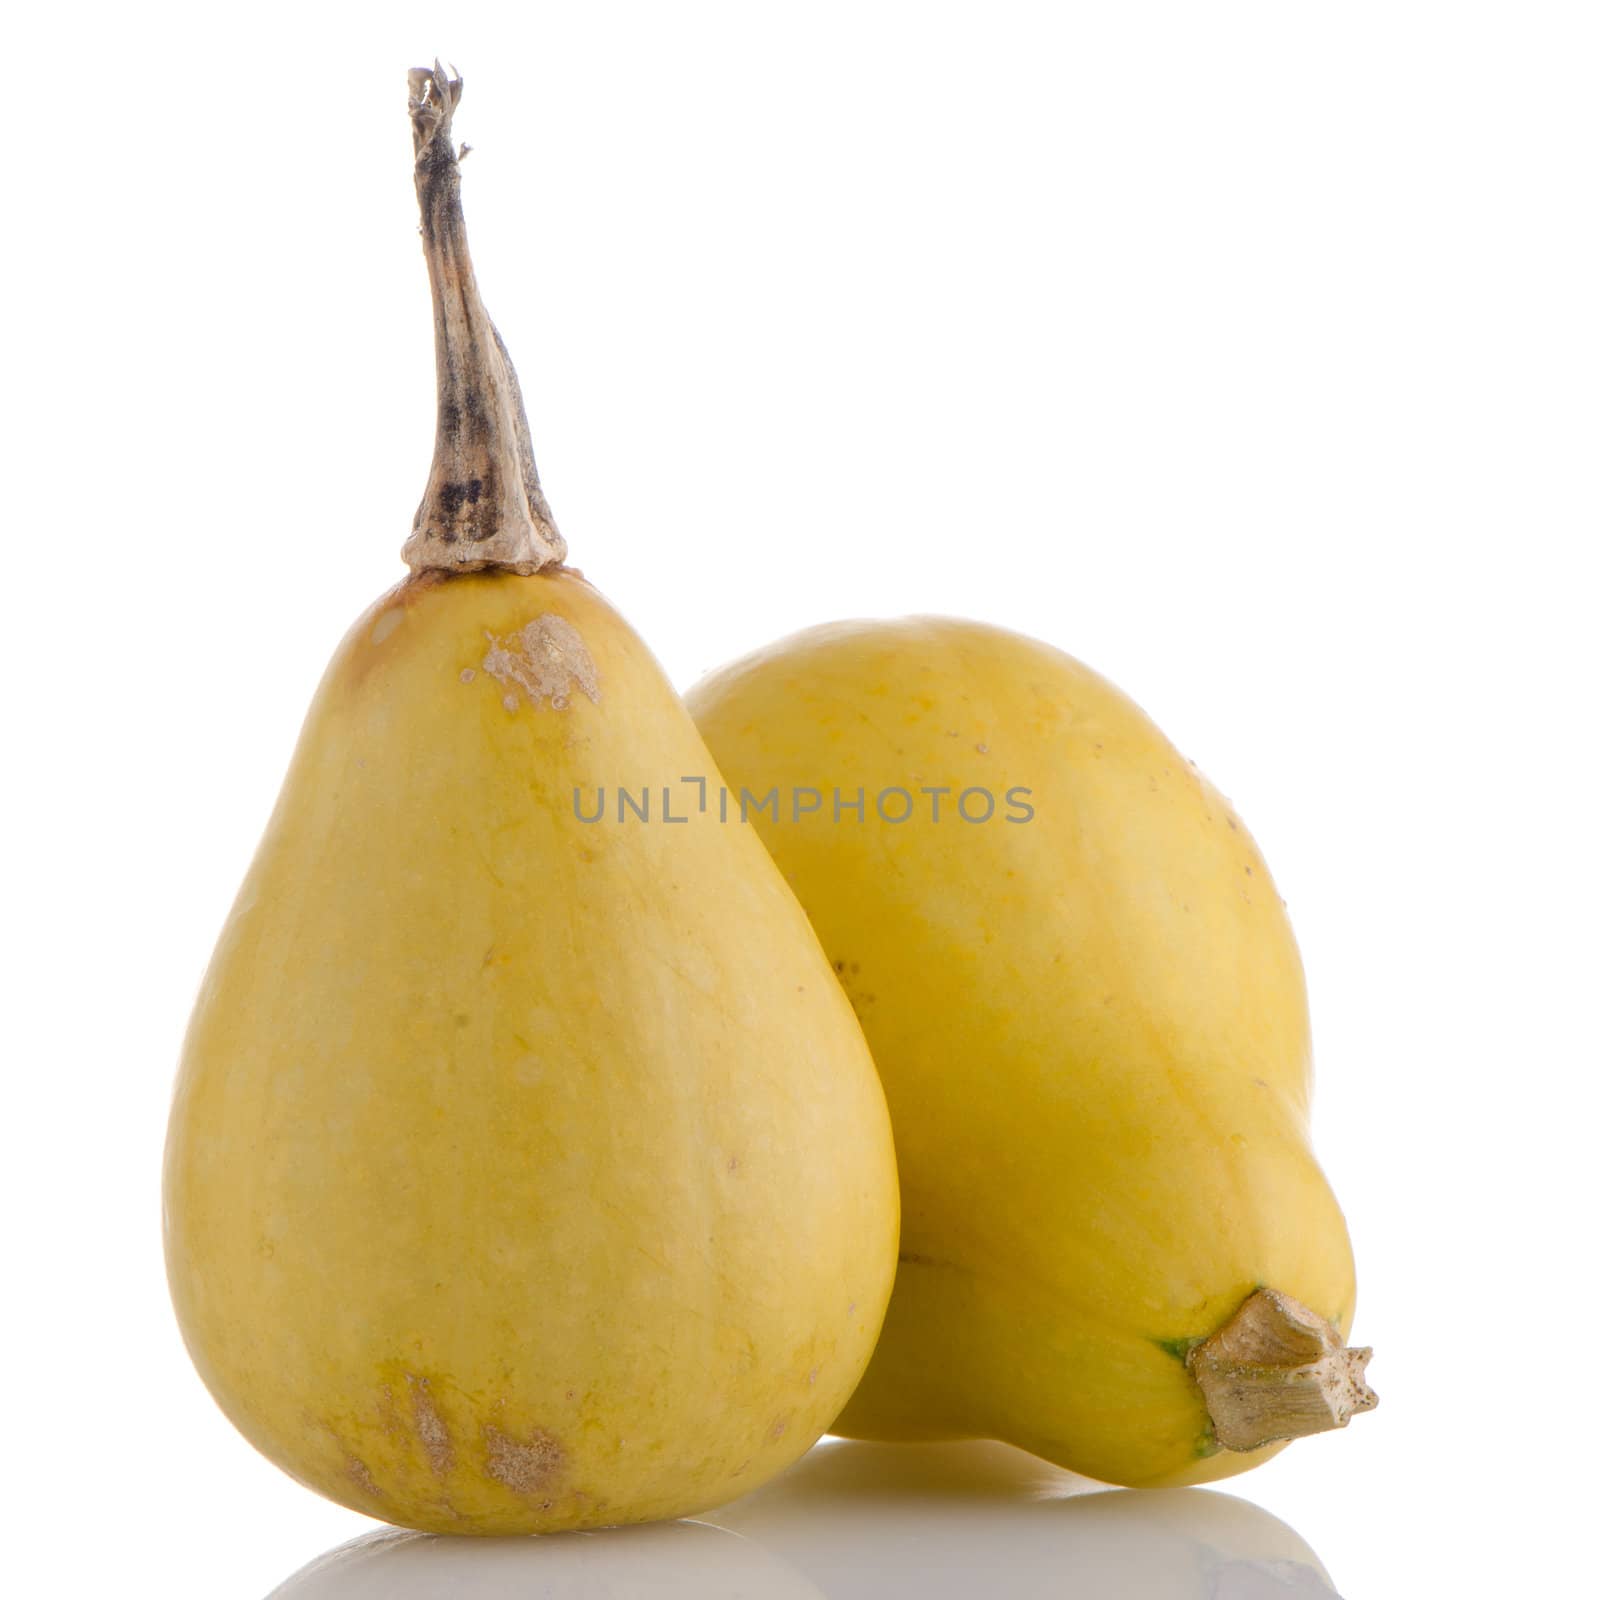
x=522 y=1174
x=1090 y=1023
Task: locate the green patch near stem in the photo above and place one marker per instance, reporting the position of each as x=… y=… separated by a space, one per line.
x=1178 y=1349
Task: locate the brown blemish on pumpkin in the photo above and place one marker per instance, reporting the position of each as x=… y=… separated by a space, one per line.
x=776 y=1431
x=431 y=1429
x=357 y=1471
x=546 y=659
x=388 y=1413
x=409 y=590
x=525 y=1466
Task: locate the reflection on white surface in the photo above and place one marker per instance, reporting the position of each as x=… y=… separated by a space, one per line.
x=664 y=1561
x=869 y=1522
x=981 y=1519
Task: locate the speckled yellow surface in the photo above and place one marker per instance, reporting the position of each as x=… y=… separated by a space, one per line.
x=1091 y=1025
x=523 y=1174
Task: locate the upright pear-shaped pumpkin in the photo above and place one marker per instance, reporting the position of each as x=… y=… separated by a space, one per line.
x=524 y=1173
x=1082 y=992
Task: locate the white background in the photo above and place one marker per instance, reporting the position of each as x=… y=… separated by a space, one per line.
x=1248 y=352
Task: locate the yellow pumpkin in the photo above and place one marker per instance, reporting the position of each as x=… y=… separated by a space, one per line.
x=1084 y=999
x=524 y=1173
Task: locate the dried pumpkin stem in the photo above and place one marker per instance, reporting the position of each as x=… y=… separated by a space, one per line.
x=483 y=506
x=1276 y=1370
